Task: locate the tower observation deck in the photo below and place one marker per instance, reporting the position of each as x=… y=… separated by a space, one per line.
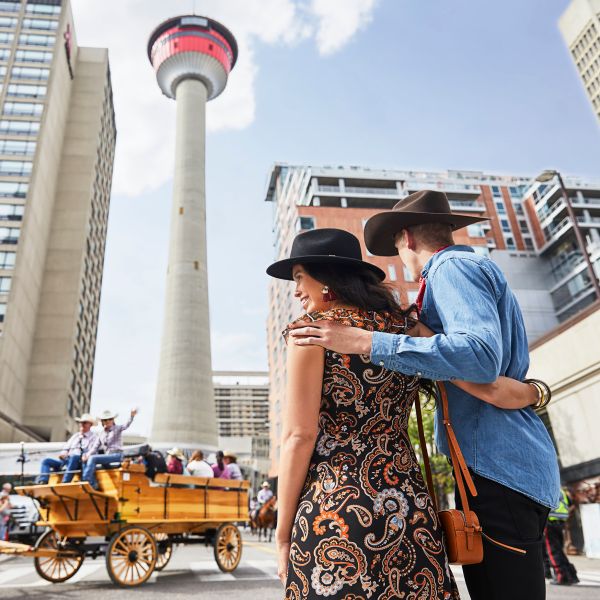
x=192 y=57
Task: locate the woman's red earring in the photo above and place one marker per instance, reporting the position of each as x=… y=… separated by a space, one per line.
x=328 y=295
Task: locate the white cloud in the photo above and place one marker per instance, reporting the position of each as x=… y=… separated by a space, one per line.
x=145 y=119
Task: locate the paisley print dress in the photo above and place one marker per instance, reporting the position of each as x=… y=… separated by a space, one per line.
x=365 y=527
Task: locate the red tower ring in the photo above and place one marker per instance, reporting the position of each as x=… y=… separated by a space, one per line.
x=192 y=47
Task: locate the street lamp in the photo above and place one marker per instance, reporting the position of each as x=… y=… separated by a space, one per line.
x=549 y=175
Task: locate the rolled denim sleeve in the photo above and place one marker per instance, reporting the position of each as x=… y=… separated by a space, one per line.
x=464 y=295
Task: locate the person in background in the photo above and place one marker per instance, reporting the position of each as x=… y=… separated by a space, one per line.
x=175 y=458
x=265 y=494
x=198 y=467
x=108 y=447
x=220 y=469
x=230 y=460
x=70 y=456
x=557 y=565
x=5 y=507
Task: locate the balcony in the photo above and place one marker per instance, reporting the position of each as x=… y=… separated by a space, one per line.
x=589 y=221
x=467 y=206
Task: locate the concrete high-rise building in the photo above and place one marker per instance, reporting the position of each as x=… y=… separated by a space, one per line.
x=192 y=57
x=307 y=197
x=580 y=28
x=57 y=141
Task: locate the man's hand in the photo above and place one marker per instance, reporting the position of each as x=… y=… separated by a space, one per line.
x=333 y=336
x=84 y=458
x=62 y=455
x=133 y=412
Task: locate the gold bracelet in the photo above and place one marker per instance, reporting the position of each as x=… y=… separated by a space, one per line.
x=543 y=390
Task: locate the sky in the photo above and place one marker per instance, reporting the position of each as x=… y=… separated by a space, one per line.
x=408 y=84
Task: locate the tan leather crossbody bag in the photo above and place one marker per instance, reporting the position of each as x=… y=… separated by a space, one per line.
x=462 y=531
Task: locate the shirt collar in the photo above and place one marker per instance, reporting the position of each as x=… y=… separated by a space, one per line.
x=437 y=255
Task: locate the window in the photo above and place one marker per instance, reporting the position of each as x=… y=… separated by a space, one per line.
x=9 y=235
x=528 y=243
x=2 y=311
x=4 y=53
x=30 y=73
x=505 y=225
x=500 y=208
x=475 y=230
x=305 y=223
x=10 y=6
x=7 y=260
x=27 y=91
x=5 y=284
x=407 y=274
x=47 y=24
x=518 y=209
x=496 y=191
x=43 y=9
x=32 y=39
x=33 y=56
x=515 y=192
x=17 y=147
x=11 y=212
x=510 y=243
x=13 y=189
x=23 y=109
x=6 y=38
x=523 y=226
x=19 y=127
x=8 y=22
x=15 y=167
x=392 y=272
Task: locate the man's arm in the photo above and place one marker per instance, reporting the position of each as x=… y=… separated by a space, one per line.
x=129 y=421
x=470 y=349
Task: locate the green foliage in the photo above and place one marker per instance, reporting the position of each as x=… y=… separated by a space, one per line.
x=441 y=471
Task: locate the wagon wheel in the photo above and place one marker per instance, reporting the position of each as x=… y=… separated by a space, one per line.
x=165 y=550
x=131 y=556
x=228 y=547
x=56 y=568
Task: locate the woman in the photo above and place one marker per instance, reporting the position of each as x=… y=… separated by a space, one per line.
x=230 y=459
x=175 y=458
x=220 y=469
x=355 y=520
x=198 y=467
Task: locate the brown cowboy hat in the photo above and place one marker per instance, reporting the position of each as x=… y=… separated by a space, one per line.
x=426 y=206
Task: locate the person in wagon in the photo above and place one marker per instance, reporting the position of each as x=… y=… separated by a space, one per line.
x=108 y=447
x=70 y=456
x=175 y=459
x=230 y=459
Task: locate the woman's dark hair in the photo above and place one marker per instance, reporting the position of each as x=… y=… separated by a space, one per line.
x=358 y=287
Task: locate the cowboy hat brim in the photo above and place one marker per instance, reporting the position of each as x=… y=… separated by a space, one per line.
x=283 y=269
x=381 y=228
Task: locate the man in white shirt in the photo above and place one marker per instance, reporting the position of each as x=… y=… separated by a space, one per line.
x=70 y=455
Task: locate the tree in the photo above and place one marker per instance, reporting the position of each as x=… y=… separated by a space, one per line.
x=441 y=471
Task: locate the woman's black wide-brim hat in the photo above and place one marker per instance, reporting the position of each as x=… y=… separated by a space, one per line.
x=324 y=246
x=426 y=206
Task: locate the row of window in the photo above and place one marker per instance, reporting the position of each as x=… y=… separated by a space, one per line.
x=5 y=283
x=30 y=73
x=19 y=127
x=28 y=39
x=13 y=189
x=31 y=8
x=23 y=109
x=7 y=260
x=36 y=56
x=586 y=39
x=24 y=90
x=9 y=235
x=17 y=147
x=11 y=212
x=15 y=167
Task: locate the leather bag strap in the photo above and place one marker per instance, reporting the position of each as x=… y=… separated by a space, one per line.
x=425 y=453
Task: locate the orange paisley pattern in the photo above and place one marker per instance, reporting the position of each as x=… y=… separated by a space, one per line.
x=365 y=528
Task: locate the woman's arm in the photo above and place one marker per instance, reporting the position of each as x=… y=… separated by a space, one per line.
x=305 y=365
x=504 y=392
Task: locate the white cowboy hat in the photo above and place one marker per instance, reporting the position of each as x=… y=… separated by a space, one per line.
x=265 y=484
x=108 y=414
x=177 y=453
x=86 y=418
x=230 y=455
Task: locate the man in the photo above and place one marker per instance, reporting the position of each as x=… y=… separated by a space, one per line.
x=264 y=495
x=230 y=459
x=479 y=335
x=109 y=443
x=70 y=457
x=556 y=561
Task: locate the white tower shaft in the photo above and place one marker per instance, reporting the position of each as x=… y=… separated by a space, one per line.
x=184 y=411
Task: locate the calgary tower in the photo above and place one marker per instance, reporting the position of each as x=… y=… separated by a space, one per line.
x=192 y=57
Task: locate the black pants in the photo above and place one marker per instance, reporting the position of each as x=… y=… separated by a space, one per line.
x=555 y=557
x=514 y=519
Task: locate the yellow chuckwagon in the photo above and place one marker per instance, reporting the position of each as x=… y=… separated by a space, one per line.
x=134 y=522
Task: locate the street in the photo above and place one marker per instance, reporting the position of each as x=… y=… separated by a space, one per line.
x=192 y=572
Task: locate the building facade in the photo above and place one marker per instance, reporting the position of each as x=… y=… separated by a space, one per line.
x=57 y=141
x=307 y=197
x=242 y=405
x=580 y=28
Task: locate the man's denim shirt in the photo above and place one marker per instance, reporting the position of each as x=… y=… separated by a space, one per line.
x=481 y=335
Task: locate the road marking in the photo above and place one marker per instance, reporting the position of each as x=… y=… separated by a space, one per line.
x=267 y=567
x=258 y=546
x=85 y=571
x=16 y=573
